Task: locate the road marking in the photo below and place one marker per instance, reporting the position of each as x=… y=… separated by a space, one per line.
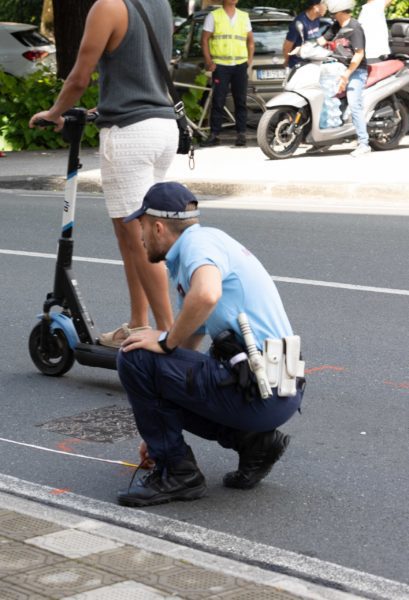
x=73 y=454
x=324 y=368
x=89 y=259
x=331 y=284
x=343 y=286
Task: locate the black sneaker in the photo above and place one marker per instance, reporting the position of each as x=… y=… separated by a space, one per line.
x=183 y=481
x=212 y=140
x=257 y=454
x=241 y=140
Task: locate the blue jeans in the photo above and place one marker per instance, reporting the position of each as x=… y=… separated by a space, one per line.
x=169 y=394
x=355 y=88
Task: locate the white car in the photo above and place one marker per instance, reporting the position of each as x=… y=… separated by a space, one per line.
x=23 y=48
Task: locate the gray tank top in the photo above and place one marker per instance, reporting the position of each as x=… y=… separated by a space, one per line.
x=131 y=88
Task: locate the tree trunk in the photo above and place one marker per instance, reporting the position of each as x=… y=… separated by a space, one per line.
x=69 y=21
x=47 y=18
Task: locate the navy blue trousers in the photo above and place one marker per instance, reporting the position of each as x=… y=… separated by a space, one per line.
x=181 y=391
x=225 y=77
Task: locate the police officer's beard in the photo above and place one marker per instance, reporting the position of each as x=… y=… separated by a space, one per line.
x=156 y=256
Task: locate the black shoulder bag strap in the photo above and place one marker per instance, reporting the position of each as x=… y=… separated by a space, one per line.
x=178 y=104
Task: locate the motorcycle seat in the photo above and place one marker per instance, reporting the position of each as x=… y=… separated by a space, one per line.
x=381 y=70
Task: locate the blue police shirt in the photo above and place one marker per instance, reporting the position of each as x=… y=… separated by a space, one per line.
x=246 y=285
x=311 y=30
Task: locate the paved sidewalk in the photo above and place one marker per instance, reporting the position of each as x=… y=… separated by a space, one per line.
x=50 y=553
x=227 y=170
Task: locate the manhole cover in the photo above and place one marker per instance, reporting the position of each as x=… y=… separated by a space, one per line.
x=107 y=424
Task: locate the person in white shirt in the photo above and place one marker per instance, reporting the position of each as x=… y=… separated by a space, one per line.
x=372 y=18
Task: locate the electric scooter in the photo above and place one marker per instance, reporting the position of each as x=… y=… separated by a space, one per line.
x=63 y=336
x=293 y=116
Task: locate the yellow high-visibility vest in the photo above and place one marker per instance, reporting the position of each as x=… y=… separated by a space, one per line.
x=228 y=44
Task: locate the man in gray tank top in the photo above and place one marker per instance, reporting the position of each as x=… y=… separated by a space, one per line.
x=138 y=137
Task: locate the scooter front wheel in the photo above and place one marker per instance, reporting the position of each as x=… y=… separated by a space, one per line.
x=56 y=358
x=277 y=135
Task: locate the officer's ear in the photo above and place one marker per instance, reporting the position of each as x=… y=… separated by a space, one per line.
x=159 y=228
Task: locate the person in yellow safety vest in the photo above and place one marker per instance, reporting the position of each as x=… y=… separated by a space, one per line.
x=228 y=49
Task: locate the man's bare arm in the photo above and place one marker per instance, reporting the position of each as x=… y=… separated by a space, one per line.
x=287 y=47
x=353 y=65
x=200 y=301
x=250 y=47
x=99 y=27
x=209 y=64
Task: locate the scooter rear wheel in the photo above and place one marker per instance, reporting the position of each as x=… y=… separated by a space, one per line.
x=390 y=140
x=276 y=135
x=57 y=358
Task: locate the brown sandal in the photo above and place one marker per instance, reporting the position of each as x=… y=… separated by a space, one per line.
x=114 y=339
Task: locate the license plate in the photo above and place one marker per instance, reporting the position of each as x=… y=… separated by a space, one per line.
x=270 y=73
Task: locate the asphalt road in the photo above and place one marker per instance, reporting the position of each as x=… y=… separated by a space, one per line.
x=340 y=492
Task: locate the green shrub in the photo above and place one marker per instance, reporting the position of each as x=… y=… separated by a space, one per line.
x=20 y=98
x=191 y=98
x=23 y=11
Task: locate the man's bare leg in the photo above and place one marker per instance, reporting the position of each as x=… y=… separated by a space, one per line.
x=147 y=282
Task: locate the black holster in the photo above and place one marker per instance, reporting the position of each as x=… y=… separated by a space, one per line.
x=225 y=347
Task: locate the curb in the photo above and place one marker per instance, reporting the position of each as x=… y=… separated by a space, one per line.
x=328 y=580
x=266 y=583
x=300 y=190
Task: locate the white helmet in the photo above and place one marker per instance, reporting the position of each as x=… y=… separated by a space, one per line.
x=335 y=6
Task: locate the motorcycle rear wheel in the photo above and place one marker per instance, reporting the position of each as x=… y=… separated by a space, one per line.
x=391 y=140
x=274 y=136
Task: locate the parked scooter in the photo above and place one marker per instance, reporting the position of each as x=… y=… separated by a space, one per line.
x=293 y=117
x=66 y=331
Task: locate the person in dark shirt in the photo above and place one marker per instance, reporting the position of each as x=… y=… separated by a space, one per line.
x=347 y=40
x=310 y=21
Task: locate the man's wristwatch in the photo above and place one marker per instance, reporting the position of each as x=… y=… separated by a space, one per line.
x=162 y=343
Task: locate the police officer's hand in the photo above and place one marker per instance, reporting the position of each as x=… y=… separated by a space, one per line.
x=210 y=67
x=144 y=458
x=146 y=339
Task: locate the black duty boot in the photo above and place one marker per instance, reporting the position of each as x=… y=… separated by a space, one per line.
x=241 y=139
x=182 y=481
x=257 y=454
x=212 y=140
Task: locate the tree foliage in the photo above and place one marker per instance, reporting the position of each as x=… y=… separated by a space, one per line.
x=21 y=97
x=22 y=11
x=69 y=21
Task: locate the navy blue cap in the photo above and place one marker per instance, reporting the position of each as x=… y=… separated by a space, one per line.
x=167 y=200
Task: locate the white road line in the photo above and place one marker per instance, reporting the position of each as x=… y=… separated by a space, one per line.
x=343 y=286
x=102 y=261
x=72 y=454
x=331 y=284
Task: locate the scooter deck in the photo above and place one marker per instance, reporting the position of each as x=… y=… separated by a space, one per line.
x=93 y=355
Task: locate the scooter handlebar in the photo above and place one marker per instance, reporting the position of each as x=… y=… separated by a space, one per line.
x=44 y=123
x=68 y=118
x=90 y=117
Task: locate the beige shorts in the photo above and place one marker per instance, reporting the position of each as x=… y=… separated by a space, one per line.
x=132 y=159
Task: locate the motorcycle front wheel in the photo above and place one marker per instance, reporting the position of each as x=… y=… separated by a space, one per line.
x=389 y=139
x=276 y=134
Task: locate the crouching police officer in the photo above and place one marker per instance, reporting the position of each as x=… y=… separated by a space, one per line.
x=172 y=387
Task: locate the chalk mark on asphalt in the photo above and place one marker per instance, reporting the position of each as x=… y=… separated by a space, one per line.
x=331 y=284
x=73 y=454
